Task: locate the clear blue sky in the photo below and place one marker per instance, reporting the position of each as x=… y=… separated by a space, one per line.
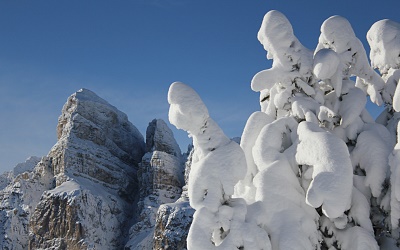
x=129 y=52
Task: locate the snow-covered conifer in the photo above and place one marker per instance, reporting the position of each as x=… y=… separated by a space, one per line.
x=365 y=139
x=317 y=110
x=384 y=40
x=313 y=166
x=218 y=164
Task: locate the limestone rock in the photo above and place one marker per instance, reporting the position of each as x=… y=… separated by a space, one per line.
x=90 y=130
x=95 y=167
x=172 y=225
x=174 y=219
x=18 y=201
x=188 y=165
x=78 y=218
x=160 y=138
x=160 y=179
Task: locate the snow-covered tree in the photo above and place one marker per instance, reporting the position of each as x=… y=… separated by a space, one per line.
x=218 y=163
x=384 y=40
x=313 y=168
x=366 y=140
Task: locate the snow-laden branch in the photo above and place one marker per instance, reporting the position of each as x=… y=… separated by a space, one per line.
x=332 y=169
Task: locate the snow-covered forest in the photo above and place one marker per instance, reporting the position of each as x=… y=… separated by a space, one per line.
x=313 y=170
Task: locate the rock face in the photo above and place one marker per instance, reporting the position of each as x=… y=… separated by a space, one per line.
x=94 y=163
x=172 y=225
x=160 y=179
x=174 y=219
x=89 y=132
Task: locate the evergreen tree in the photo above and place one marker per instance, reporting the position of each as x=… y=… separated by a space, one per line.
x=313 y=168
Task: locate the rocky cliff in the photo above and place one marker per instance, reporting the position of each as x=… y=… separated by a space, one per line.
x=94 y=163
x=99 y=187
x=160 y=178
x=173 y=220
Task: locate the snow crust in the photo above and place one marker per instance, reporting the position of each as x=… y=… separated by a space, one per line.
x=352 y=106
x=69 y=189
x=355 y=238
x=279 y=200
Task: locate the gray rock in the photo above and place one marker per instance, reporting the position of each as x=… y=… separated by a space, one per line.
x=173 y=220
x=160 y=179
x=172 y=226
x=159 y=137
x=94 y=162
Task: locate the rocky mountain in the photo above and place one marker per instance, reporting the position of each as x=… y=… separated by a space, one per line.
x=99 y=187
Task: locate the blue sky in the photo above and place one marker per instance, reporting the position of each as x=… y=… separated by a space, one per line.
x=129 y=52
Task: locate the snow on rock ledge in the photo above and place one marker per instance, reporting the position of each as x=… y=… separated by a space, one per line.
x=78 y=218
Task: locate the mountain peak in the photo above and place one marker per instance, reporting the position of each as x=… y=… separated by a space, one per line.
x=159 y=137
x=88 y=95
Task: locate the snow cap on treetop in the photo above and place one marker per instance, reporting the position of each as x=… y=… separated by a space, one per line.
x=338 y=35
x=384 y=39
x=291 y=59
x=276 y=33
x=187 y=110
x=336 y=32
